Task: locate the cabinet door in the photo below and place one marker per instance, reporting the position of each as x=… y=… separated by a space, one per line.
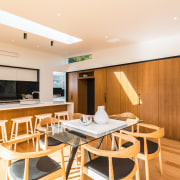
x=128 y=90
x=73 y=89
x=169 y=97
x=100 y=87
x=148 y=91
x=113 y=90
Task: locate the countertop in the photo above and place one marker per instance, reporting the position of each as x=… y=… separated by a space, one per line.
x=39 y=104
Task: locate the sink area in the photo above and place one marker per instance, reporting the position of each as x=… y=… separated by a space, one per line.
x=30 y=101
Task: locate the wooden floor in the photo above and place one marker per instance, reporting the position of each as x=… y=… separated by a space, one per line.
x=171 y=163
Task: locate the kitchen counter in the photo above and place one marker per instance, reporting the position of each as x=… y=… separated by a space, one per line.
x=9 y=106
x=16 y=110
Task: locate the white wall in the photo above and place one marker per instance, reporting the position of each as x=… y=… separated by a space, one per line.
x=154 y=49
x=47 y=63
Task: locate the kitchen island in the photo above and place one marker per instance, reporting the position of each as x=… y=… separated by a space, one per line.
x=16 y=110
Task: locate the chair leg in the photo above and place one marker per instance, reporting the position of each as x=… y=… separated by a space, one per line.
x=35 y=125
x=147 y=168
x=12 y=131
x=137 y=172
x=16 y=133
x=5 y=133
x=27 y=130
x=31 y=129
x=2 y=132
x=160 y=162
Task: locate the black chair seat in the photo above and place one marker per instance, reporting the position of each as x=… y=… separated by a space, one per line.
x=122 y=167
x=38 y=168
x=152 y=146
x=51 y=141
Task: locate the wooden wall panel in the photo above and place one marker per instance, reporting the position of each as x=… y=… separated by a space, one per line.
x=169 y=93
x=73 y=89
x=128 y=78
x=148 y=91
x=82 y=96
x=113 y=90
x=100 y=87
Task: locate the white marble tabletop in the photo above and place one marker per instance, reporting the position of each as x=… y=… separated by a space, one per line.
x=94 y=129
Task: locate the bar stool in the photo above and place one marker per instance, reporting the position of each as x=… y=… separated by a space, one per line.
x=3 y=130
x=39 y=117
x=16 y=122
x=63 y=114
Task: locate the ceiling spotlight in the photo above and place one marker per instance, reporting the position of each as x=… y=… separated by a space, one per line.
x=52 y=43
x=25 y=35
x=175 y=18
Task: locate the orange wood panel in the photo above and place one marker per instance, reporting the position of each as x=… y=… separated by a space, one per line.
x=82 y=96
x=100 y=87
x=9 y=114
x=113 y=90
x=148 y=91
x=169 y=95
x=73 y=89
x=129 y=77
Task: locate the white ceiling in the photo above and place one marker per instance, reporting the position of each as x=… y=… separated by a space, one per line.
x=94 y=21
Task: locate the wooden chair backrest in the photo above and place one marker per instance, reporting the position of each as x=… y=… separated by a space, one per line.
x=129 y=152
x=76 y=116
x=48 y=120
x=124 y=116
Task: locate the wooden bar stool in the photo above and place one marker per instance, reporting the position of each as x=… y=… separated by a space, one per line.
x=39 y=117
x=62 y=114
x=16 y=122
x=3 y=130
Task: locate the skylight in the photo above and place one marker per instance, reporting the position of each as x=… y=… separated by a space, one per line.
x=23 y=24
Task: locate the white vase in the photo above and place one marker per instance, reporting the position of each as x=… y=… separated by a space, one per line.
x=101 y=117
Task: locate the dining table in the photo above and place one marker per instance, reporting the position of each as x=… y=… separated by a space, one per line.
x=75 y=134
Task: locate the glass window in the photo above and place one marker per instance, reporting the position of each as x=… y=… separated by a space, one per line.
x=79 y=58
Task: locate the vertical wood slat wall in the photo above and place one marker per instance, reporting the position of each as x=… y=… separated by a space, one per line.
x=157 y=83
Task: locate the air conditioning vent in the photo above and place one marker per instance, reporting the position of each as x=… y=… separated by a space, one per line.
x=8 y=53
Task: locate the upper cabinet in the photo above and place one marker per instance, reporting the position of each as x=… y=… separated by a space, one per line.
x=7 y=73
x=18 y=74
x=26 y=75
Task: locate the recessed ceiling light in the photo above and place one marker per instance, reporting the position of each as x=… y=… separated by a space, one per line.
x=175 y=18
x=25 y=25
x=58 y=14
x=106 y=37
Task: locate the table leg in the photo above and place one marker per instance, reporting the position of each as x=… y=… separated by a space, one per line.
x=100 y=142
x=71 y=159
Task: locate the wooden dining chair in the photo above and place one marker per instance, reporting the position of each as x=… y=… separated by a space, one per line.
x=47 y=141
x=112 y=165
x=149 y=149
x=126 y=116
x=32 y=165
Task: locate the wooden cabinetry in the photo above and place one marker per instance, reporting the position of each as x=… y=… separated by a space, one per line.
x=129 y=99
x=73 y=89
x=169 y=97
x=100 y=87
x=148 y=91
x=113 y=90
